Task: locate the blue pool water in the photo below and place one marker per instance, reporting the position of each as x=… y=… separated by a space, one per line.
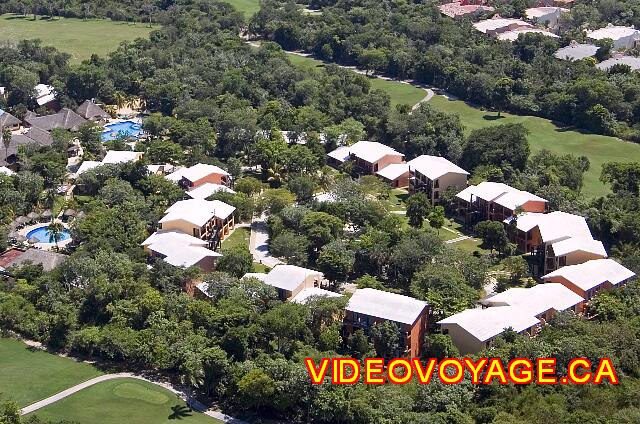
x=129 y=128
x=42 y=234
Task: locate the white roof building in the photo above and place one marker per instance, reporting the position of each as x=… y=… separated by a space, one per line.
x=497 y=25
x=44 y=94
x=575 y=51
x=579 y=244
x=545 y=15
x=434 y=167
x=160 y=168
x=289 y=277
x=369 y=151
x=178 y=249
x=387 y=306
x=593 y=273
x=196 y=172
x=393 y=171
x=485 y=324
x=207 y=189
x=197 y=211
x=513 y=35
x=631 y=61
x=537 y=299
x=87 y=165
x=623 y=37
x=554 y=226
x=499 y=193
x=307 y=294
x=456 y=9
x=121 y=156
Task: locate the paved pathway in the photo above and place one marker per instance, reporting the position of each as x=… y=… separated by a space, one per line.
x=455 y=240
x=197 y=406
x=258 y=243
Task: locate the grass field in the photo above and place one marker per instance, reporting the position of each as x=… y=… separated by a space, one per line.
x=74 y=36
x=248 y=7
x=543 y=133
x=120 y=401
x=28 y=376
x=239 y=236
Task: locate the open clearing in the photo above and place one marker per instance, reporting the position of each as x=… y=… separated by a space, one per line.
x=77 y=37
x=248 y=7
x=125 y=400
x=29 y=375
x=543 y=134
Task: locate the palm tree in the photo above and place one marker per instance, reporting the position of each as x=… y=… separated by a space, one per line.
x=275 y=175
x=55 y=230
x=5 y=136
x=120 y=99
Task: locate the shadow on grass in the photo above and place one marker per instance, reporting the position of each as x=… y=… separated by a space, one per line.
x=179 y=412
x=488 y=117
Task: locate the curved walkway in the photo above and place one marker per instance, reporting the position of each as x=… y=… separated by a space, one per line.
x=197 y=406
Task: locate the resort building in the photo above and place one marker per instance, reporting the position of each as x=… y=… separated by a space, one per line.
x=35 y=136
x=368 y=157
x=45 y=95
x=91 y=111
x=7 y=120
x=619 y=59
x=291 y=281
x=473 y=330
x=513 y=35
x=17 y=257
x=121 y=156
x=557 y=239
x=160 y=169
x=575 y=51
x=396 y=175
x=207 y=189
x=498 y=25
x=462 y=9
x=548 y=16
x=305 y=295
x=207 y=220
x=589 y=278
x=542 y=300
x=367 y=307
x=495 y=202
x=623 y=37
x=181 y=250
x=196 y=175
x=66 y=119
x=433 y=175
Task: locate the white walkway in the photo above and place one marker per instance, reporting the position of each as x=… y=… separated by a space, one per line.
x=70 y=391
x=258 y=243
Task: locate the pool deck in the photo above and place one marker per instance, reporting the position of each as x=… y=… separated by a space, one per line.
x=45 y=246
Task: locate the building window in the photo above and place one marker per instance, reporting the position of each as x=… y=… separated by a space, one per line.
x=436 y=184
x=196 y=232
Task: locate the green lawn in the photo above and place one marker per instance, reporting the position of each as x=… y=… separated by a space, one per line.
x=248 y=7
x=120 y=401
x=27 y=376
x=75 y=36
x=239 y=236
x=545 y=135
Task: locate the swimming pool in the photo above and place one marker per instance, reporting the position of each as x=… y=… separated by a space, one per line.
x=130 y=128
x=42 y=234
